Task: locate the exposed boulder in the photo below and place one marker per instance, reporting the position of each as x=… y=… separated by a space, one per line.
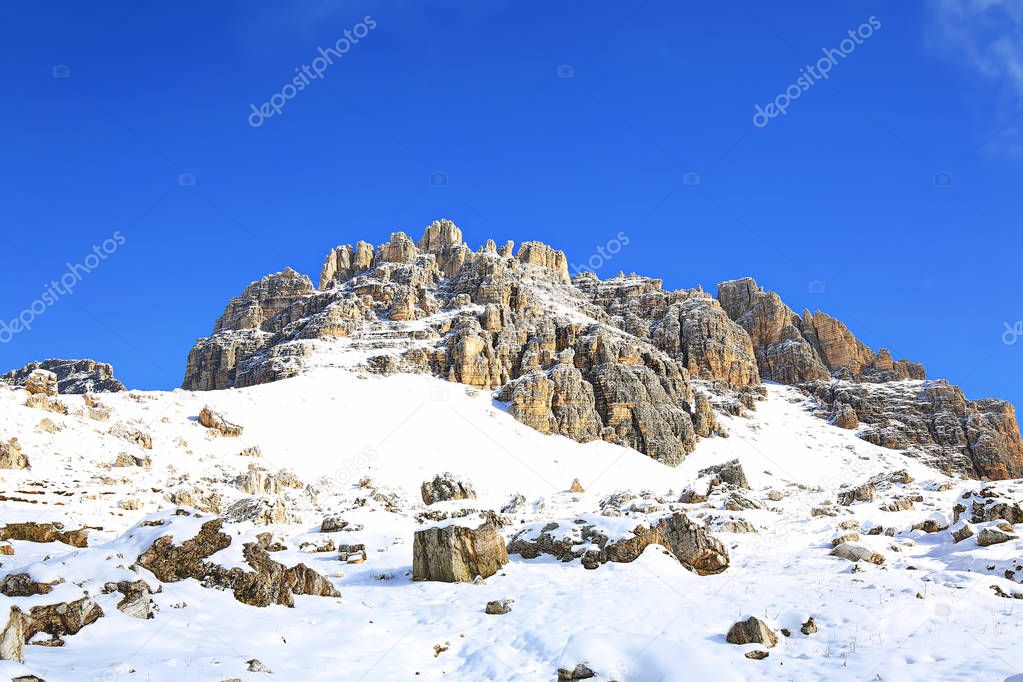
x=446 y=486
x=62 y=619
x=845 y=417
x=132 y=435
x=861 y=493
x=217 y=422
x=499 y=607
x=23 y=585
x=457 y=553
x=751 y=631
x=731 y=472
x=136 y=601
x=11 y=456
x=40 y=401
x=994 y=536
x=45 y=532
x=12 y=636
x=851 y=551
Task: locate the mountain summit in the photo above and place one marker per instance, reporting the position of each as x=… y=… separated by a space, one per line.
x=620 y=360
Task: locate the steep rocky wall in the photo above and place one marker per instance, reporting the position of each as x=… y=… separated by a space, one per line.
x=978 y=438
x=587 y=358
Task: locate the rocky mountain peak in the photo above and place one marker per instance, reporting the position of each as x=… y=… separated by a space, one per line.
x=73 y=376
x=621 y=360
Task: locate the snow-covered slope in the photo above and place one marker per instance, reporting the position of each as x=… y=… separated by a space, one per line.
x=927 y=613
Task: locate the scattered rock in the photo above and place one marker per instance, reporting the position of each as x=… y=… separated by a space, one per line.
x=751 y=631
x=217 y=422
x=257 y=666
x=41 y=382
x=994 y=536
x=12 y=636
x=691 y=544
x=730 y=472
x=576 y=486
x=132 y=435
x=861 y=493
x=499 y=607
x=961 y=531
x=11 y=456
x=333 y=524
x=42 y=402
x=579 y=672
x=446 y=486
x=855 y=553
x=809 y=627
x=127 y=460
x=45 y=532
x=268 y=583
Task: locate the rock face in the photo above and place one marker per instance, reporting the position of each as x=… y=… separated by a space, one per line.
x=933 y=419
x=456 y=553
x=268 y=583
x=71 y=376
x=586 y=358
x=792 y=349
x=692 y=545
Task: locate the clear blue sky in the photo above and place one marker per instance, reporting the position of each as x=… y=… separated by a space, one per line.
x=841 y=189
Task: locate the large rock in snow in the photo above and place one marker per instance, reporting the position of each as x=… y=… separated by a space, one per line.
x=457 y=553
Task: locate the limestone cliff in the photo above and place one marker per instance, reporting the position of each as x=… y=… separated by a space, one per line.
x=586 y=358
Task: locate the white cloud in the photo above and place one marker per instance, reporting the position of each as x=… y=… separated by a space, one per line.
x=985 y=36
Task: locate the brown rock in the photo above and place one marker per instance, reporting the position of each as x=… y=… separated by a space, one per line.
x=45 y=532
x=994 y=536
x=751 y=631
x=446 y=486
x=11 y=456
x=268 y=583
x=216 y=421
x=455 y=553
x=13 y=636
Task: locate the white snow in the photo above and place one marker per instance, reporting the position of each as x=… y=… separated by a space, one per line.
x=648 y=620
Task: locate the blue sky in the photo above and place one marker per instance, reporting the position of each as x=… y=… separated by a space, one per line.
x=109 y=112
